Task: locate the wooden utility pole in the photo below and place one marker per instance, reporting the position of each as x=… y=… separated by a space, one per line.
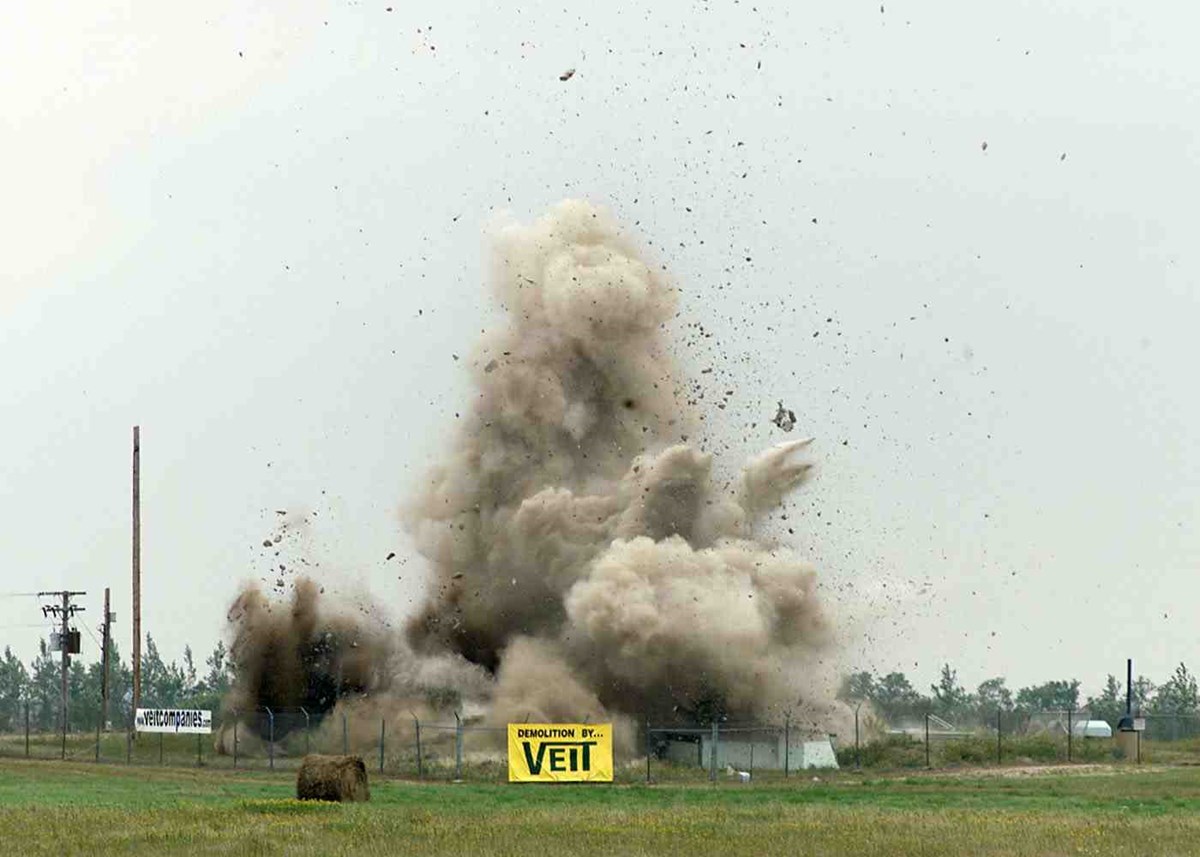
x=106 y=630
x=67 y=644
x=137 y=569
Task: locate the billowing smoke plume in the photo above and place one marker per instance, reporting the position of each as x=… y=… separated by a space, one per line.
x=581 y=549
x=583 y=556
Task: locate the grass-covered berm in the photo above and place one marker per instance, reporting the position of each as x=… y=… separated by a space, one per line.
x=59 y=808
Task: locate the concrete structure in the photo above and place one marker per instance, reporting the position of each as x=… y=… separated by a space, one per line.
x=746 y=751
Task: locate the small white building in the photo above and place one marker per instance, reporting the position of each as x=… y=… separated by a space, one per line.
x=750 y=750
x=1091 y=729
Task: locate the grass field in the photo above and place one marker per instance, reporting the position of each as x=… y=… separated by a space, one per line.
x=71 y=808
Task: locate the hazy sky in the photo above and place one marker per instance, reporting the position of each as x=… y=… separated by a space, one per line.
x=260 y=237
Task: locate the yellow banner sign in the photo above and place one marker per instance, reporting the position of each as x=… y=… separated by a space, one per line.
x=560 y=753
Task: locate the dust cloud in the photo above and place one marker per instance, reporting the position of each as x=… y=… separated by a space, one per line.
x=585 y=564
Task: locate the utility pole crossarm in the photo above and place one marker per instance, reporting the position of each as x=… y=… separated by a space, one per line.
x=63 y=611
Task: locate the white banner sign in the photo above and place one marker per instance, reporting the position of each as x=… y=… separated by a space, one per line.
x=182 y=721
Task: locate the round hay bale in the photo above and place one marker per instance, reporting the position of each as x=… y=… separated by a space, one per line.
x=336 y=778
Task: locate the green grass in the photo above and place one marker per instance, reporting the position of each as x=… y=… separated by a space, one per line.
x=70 y=808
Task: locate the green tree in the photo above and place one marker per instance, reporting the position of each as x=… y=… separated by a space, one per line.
x=858 y=686
x=120 y=689
x=45 y=690
x=190 y=685
x=84 y=698
x=1109 y=704
x=210 y=690
x=14 y=686
x=895 y=696
x=1051 y=696
x=949 y=696
x=1178 y=695
x=993 y=694
x=162 y=683
x=218 y=678
x=1144 y=691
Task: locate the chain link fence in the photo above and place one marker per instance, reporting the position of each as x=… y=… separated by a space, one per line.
x=406 y=746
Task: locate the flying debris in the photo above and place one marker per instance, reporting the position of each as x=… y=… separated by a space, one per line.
x=784 y=418
x=567 y=75
x=585 y=564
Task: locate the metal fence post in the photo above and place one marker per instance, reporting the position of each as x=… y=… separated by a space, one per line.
x=420 y=763
x=345 y=736
x=97 y=740
x=712 y=753
x=927 y=739
x=270 y=738
x=857 y=750
x=235 y=739
x=382 y=740
x=199 y=752
x=307 y=730
x=1069 y=725
x=26 y=729
x=999 y=733
x=787 y=741
x=160 y=749
x=648 y=749
x=458 y=746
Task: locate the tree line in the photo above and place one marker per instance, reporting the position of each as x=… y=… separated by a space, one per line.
x=38 y=687
x=893 y=697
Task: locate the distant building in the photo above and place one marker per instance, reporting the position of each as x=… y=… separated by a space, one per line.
x=757 y=749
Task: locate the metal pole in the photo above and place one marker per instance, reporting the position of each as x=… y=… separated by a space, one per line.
x=712 y=753
x=420 y=763
x=270 y=737
x=1069 y=725
x=927 y=739
x=307 y=727
x=857 y=752
x=751 y=755
x=1129 y=687
x=137 y=568
x=999 y=732
x=458 y=746
x=382 y=739
x=345 y=736
x=648 y=749
x=787 y=741
x=97 y=741
x=199 y=757
x=235 y=737
x=26 y=729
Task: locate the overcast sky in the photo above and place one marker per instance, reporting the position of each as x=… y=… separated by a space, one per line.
x=954 y=237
